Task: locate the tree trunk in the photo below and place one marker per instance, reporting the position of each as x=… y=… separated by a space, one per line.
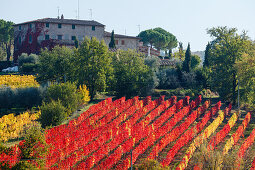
x=234 y=88
x=8 y=50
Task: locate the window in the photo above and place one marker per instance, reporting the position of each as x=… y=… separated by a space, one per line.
x=30 y=25
x=20 y=27
x=47 y=25
x=73 y=38
x=122 y=42
x=73 y=26
x=93 y=28
x=30 y=39
x=60 y=37
x=59 y=25
x=47 y=37
x=116 y=42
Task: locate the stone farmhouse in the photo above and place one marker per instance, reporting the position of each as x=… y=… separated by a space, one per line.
x=32 y=36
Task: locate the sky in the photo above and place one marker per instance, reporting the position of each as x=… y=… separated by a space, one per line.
x=188 y=20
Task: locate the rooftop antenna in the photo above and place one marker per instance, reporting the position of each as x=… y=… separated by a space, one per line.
x=78 y=15
x=90 y=10
x=139 y=27
x=125 y=32
x=58 y=12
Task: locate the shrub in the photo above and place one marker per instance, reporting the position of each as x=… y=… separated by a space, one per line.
x=21 y=97
x=53 y=113
x=28 y=68
x=85 y=93
x=168 y=79
x=149 y=165
x=24 y=58
x=67 y=94
x=33 y=148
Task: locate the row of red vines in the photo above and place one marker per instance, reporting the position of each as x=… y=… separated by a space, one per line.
x=246 y=144
x=125 y=131
x=13 y=156
x=253 y=164
x=160 y=131
x=65 y=144
x=190 y=134
x=78 y=136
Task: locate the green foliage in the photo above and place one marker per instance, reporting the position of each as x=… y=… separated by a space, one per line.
x=227 y=48
x=21 y=97
x=66 y=93
x=76 y=43
x=194 y=62
x=159 y=38
x=2 y=54
x=246 y=74
x=24 y=58
x=186 y=65
x=93 y=63
x=180 y=54
x=207 y=55
x=149 y=165
x=168 y=79
x=112 y=42
x=34 y=149
x=133 y=77
x=6 y=36
x=56 y=64
x=53 y=113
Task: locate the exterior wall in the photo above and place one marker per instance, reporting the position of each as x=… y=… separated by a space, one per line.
x=145 y=50
x=129 y=43
x=39 y=30
x=80 y=31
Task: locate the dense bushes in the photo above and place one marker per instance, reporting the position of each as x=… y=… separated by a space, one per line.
x=53 y=113
x=66 y=93
x=28 y=63
x=60 y=101
x=21 y=97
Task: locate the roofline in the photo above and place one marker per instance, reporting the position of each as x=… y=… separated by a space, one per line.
x=108 y=34
x=42 y=21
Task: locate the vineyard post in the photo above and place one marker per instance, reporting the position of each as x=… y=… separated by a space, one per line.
x=131 y=160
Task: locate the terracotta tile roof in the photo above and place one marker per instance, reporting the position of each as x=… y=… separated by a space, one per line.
x=65 y=21
x=166 y=62
x=108 y=34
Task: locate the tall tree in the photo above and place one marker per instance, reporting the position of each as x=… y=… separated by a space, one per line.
x=112 y=42
x=6 y=36
x=186 y=65
x=207 y=55
x=227 y=48
x=94 y=67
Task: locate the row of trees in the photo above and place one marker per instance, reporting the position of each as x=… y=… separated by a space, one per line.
x=229 y=59
x=101 y=70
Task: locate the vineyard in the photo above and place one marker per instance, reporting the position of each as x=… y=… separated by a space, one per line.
x=117 y=134
x=17 y=81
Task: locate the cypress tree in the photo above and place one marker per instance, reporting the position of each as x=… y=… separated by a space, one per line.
x=207 y=55
x=186 y=65
x=76 y=43
x=112 y=42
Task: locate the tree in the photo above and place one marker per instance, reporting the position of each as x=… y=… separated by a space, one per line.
x=207 y=55
x=112 y=42
x=6 y=36
x=133 y=77
x=246 y=74
x=76 y=43
x=56 y=64
x=194 y=62
x=93 y=65
x=159 y=38
x=227 y=48
x=180 y=54
x=186 y=65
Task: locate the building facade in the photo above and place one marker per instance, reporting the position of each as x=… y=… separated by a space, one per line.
x=31 y=37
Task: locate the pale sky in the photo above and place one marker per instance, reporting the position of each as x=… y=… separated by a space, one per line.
x=186 y=19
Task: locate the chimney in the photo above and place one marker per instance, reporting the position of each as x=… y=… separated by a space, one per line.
x=62 y=16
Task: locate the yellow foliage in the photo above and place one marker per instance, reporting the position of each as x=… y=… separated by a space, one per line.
x=12 y=126
x=17 y=81
x=85 y=93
